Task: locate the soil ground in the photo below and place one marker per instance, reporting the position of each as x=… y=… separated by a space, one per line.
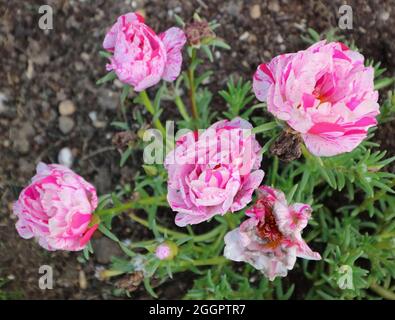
x=40 y=69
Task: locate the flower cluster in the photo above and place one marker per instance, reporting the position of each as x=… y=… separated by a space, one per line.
x=324 y=94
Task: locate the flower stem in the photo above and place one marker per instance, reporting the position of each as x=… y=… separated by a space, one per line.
x=209 y=235
x=133 y=205
x=274 y=171
x=150 y=108
x=204 y=262
x=229 y=221
x=181 y=108
x=386 y=294
x=192 y=88
x=161 y=229
x=200 y=238
x=156 y=201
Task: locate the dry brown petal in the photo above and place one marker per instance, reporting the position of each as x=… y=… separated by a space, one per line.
x=130 y=282
x=123 y=139
x=287 y=146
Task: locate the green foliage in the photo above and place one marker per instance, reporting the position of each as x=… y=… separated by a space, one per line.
x=7 y=294
x=356 y=241
x=387 y=109
x=237 y=97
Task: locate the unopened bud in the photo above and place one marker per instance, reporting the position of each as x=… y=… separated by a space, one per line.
x=166 y=250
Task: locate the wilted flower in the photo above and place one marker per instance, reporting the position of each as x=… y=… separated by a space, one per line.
x=123 y=139
x=198 y=32
x=324 y=93
x=130 y=282
x=141 y=58
x=56 y=209
x=214 y=172
x=271 y=239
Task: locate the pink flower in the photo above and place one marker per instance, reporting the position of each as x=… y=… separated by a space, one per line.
x=141 y=58
x=325 y=93
x=166 y=250
x=162 y=251
x=56 y=209
x=271 y=239
x=214 y=172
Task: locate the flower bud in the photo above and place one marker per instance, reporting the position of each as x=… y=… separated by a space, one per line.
x=166 y=250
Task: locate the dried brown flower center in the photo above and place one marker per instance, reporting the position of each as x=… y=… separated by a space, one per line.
x=268 y=230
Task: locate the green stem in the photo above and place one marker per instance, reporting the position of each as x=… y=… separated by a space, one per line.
x=150 y=108
x=209 y=235
x=386 y=294
x=265 y=127
x=142 y=244
x=229 y=221
x=274 y=172
x=192 y=88
x=305 y=152
x=181 y=107
x=136 y=204
x=203 y=237
x=203 y=262
x=161 y=229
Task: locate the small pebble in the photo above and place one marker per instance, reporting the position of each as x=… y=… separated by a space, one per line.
x=65 y=157
x=108 y=99
x=82 y=280
x=274 y=6
x=279 y=39
x=244 y=36
x=85 y=56
x=66 y=108
x=30 y=69
x=3 y=100
x=255 y=11
x=66 y=124
x=96 y=123
x=384 y=15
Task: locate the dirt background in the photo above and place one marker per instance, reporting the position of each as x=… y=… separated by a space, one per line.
x=40 y=69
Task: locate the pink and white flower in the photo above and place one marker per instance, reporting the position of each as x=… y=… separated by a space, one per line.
x=141 y=58
x=325 y=93
x=56 y=209
x=213 y=172
x=270 y=240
